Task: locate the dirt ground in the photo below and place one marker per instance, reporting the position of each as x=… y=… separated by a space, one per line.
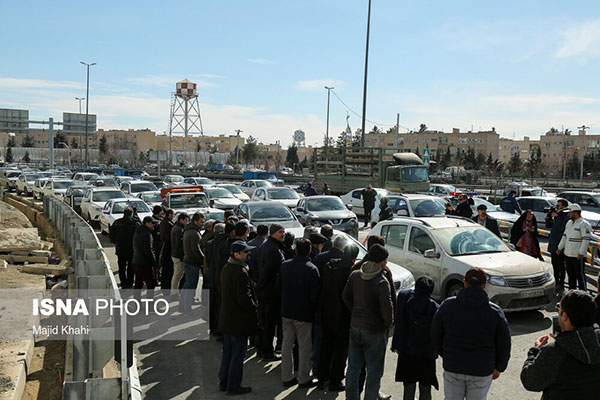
x=46 y=372
x=10 y=217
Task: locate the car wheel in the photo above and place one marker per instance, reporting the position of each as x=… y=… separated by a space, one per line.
x=453 y=289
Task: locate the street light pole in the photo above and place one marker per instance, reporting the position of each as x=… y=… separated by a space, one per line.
x=327 y=129
x=582 y=131
x=79 y=99
x=364 y=108
x=237 y=148
x=87 y=105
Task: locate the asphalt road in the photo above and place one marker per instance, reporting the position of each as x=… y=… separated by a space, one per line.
x=189 y=369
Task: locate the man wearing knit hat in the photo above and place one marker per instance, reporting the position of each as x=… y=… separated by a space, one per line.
x=473 y=337
x=367 y=295
x=270 y=258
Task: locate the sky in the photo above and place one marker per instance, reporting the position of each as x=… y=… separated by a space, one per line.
x=261 y=66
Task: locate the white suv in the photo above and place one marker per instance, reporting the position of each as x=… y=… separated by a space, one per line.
x=445 y=248
x=25 y=183
x=94 y=200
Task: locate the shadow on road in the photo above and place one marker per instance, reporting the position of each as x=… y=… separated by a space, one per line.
x=526 y=322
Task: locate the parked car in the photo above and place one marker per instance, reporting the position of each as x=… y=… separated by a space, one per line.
x=103 y=181
x=84 y=177
x=284 y=195
x=235 y=190
x=493 y=211
x=150 y=198
x=221 y=198
x=123 y=178
x=38 y=188
x=589 y=201
x=354 y=197
x=412 y=205
x=438 y=189
x=135 y=186
x=25 y=183
x=540 y=205
x=94 y=200
x=173 y=180
x=323 y=210
x=57 y=187
x=523 y=189
x=73 y=197
x=198 y=181
x=157 y=180
x=268 y=213
x=445 y=248
x=114 y=208
x=250 y=185
x=9 y=179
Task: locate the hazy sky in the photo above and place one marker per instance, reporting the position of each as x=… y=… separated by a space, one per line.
x=520 y=67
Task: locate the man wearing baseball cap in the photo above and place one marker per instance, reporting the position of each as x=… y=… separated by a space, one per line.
x=483 y=219
x=238 y=318
x=574 y=245
x=473 y=337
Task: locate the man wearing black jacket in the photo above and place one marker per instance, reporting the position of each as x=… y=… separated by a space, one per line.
x=166 y=262
x=270 y=258
x=568 y=368
x=177 y=251
x=473 y=337
x=483 y=219
x=556 y=221
x=144 y=257
x=193 y=259
x=463 y=209
x=122 y=233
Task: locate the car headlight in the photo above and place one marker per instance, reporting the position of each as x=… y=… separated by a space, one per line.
x=408 y=283
x=497 y=280
x=548 y=274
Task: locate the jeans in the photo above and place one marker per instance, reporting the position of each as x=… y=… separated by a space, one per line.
x=296 y=330
x=459 y=386
x=192 y=275
x=411 y=388
x=231 y=372
x=177 y=274
x=575 y=272
x=368 y=348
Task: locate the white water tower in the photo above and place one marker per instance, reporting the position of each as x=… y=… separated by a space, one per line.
x=185 y=113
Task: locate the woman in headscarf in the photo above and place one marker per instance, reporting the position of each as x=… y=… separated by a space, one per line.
x=524 y=235
x=412 y=341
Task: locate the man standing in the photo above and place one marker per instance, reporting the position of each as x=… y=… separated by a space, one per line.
x=166 y=261
x=485 y=220
x=158 y=215
x=310 y=190
x=510 y=204
x=367 y=296
x=214 y=294
x=269 y=260
x=368 y=196
x=574 y=243
x=473 y=337
x=327 y=231
x=193 y=259
x=122 y=234
x=556 y=221
x=262 y=231
x=317 y=242
x=238 y=318
x=299 y=286
x=463 y=209
x=144 y=256
x=569 y=368
x=177 y=251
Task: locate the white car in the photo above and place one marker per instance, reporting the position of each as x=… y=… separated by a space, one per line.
x=250 y=185
x=445 y=248
x=132 y=187
x=173 y=180
x=114 y=208
x=284 y=195
x=439 y=189
x=57 y=187
x=38 y=188
x=198 y=181
x=94 y=200
x=9 y=179
x=25 y=183
x=84 y=177
x=221 y=198
x=411 y=205
x=151 y=198
x=121 y=179
x=235 y=190
x=354 y=198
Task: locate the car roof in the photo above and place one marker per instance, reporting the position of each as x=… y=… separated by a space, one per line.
x=440 y=222
x=414 y=196
x=103 y=188
x=537 y=197
x=138 y=181
x=126 y=199
x=60 y=180
x=264 y=203
x=322 y=197
x=579 y=192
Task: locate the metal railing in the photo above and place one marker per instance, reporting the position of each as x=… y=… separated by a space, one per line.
x=92 y=352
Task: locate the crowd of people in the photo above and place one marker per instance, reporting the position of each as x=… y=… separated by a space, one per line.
x=310 y=303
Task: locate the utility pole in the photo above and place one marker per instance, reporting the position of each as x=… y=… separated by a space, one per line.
x=327 y=129
x=364 y=108
x=237 y=148
x=87 y=108
x=582 y=130
x=397 y=131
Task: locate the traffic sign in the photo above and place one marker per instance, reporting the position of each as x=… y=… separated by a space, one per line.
x=426 y=156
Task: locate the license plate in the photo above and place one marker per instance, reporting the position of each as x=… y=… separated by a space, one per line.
x=532 y=293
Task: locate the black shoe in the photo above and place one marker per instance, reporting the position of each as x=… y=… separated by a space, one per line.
x=309 y=384
x=241 y=390
x=336 y=387
x=290 y=383
x=270 y=357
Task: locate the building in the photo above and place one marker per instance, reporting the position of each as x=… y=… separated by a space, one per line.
x=217 y=144
x=508 y=147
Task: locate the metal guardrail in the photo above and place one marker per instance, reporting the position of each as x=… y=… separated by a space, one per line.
x=92 y=273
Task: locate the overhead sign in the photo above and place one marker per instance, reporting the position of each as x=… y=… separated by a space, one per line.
x=154 y=155
x=426 y=160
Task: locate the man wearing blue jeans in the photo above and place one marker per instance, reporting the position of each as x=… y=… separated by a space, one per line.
x=193 y=259
x=367 y=295
x=473 y=337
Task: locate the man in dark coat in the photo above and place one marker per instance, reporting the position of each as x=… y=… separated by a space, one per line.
x=368 y=195
x=122 y=233
x=556 y=221
x=310 y=190
x=262 y=232
x=327 y=231
x=483 y=219
x=238 y=318
x=193 y=259
x=386 y=211
x=337 y=251
x=177 y=251
x=317 y=241
x=472 y=336
x=510 y=204
x=463 y=209
x=568 y=368
x=166 y=261
x=270 y=258
x=158 y=214
x=144 y=256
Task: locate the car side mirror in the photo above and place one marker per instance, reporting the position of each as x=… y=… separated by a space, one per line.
x=105 y=212
x=403 y=212
x=211 y=202
x=299 y=209
x=349 y=207
x=431 y=253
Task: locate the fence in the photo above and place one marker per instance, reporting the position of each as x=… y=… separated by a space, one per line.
x=90 y=355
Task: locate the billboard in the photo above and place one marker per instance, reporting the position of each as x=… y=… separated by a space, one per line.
x=9 y=120
x=74 y=124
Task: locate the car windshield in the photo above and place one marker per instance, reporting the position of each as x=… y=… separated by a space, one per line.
x=105 y=182
x=469 y=240
x=325 y=204
x=271 y=213
x=175 y=179
x=188 y=200
x=219 y=193
x=263 y=184
x=204 y=181
x=89 y=177
x=414 y=175
x=537 y=192
x=120 y=206
x=63 y=185
x=107 y=195
x=31 y=177
x=282 y=193
x=233 y=189
x=427 y=207
x=78 y=192
x=152 y=198
x=13 y=174
x=143 y=187
x=217 y=216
